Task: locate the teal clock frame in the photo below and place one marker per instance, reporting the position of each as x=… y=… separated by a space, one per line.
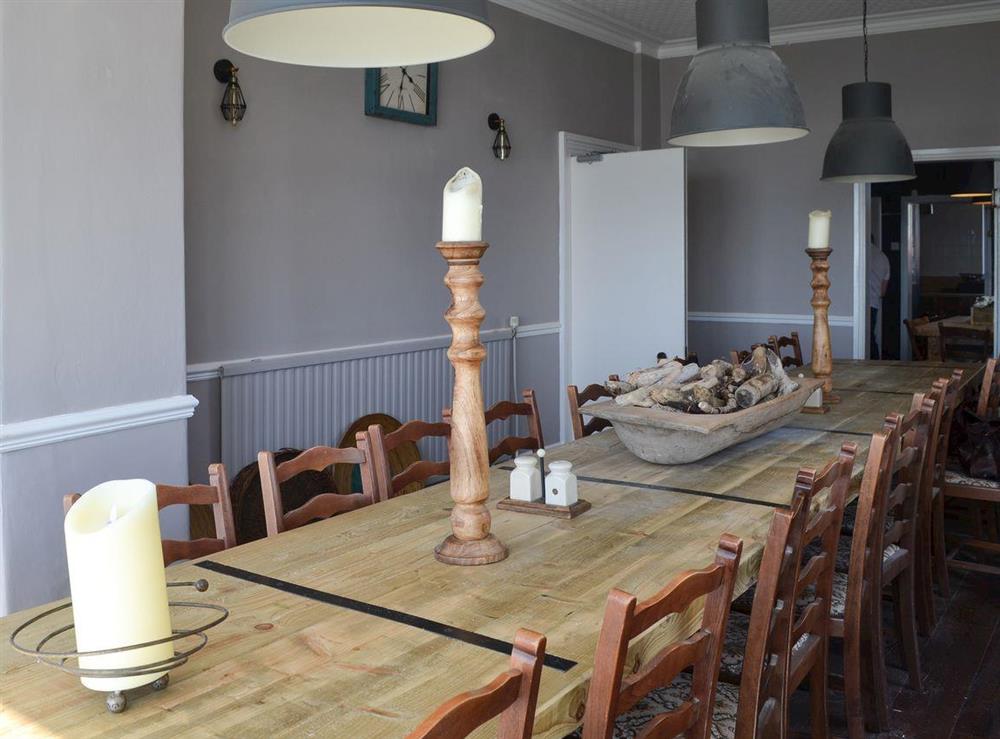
x=374 y=108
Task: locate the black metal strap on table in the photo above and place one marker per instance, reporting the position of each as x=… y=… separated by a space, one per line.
x=673 y=489
x=435 y=627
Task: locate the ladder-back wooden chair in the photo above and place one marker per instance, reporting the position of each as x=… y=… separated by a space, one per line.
x=324 y=505
x=880 y=554
x=933 y=527
x=918 y=344
x=808 y=574
x=759 y=648
x=416 y=474
x=511 y=696
x=612 y=692
x=977 y=491
x=780 y=342
x=510 y=445
x=856 y=612
x=578 y=399
x=215 y=494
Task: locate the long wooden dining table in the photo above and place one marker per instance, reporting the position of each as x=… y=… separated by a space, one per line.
x=350 y=628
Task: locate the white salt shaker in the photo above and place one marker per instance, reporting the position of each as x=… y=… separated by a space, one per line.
x=560 y=484
x=526 y=479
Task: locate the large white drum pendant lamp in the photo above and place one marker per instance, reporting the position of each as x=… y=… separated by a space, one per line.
x=358 y=33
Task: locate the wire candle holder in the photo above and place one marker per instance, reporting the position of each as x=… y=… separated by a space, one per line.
x=116 y=701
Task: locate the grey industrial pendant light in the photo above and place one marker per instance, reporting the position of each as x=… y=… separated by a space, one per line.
x=736 y=90
x=868 y=146
x=358 y=33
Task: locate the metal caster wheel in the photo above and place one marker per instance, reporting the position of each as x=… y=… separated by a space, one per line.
x=116 y=702
x=160 y=683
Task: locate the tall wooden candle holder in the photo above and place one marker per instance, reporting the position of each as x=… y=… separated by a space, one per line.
x=822 y=354
x=471 y=542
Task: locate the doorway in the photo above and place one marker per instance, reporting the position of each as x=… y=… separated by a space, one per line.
x=938 y=235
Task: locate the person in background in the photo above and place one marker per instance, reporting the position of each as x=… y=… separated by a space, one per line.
x=878 y=283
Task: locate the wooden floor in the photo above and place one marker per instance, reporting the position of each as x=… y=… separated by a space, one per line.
x=961 y=664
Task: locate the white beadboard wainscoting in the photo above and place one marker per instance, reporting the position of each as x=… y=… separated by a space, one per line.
x=309 y=398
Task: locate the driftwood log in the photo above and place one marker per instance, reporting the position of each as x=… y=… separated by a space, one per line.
x=717 y=387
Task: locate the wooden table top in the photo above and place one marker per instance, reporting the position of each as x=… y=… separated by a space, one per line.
x=350 y=627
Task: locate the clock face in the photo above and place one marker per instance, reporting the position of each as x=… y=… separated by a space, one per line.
x=406 y=94
x=404 y=88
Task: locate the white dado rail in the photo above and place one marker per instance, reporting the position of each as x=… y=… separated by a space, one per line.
x=67 y=426
x=794 y=319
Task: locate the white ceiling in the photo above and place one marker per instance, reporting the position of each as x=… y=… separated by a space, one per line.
x=666 y=27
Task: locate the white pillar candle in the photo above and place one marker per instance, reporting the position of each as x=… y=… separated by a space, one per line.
x=462 y=215
x=117 y=580
x=819 y=229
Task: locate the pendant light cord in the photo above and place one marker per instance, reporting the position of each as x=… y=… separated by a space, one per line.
x=864 y=33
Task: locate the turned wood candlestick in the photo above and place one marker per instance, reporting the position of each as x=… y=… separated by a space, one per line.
x=822 y=354
x=471 y=542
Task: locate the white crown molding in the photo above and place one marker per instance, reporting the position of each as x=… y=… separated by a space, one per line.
x=214 y=370
x=624 y=36
x=794 y=319
x=68 y=426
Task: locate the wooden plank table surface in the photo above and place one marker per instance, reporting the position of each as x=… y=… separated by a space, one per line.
x=350 y=628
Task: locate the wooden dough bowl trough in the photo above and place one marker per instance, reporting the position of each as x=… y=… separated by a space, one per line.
x=660 y=436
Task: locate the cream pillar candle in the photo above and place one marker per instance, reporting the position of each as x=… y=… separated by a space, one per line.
x=462 y=214
x=117 y=580
x=819 y=229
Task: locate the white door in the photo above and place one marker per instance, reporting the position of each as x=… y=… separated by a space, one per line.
x=627 y=259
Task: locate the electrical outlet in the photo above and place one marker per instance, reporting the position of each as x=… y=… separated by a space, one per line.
x=514 y=322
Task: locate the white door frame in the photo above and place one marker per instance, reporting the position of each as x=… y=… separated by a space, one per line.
x=571 y=145
x=862 y=198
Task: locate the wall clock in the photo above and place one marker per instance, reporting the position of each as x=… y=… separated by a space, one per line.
x=406 y=94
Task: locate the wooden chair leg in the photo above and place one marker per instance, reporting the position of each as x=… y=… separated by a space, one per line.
x=926 y=618
x=817 y=697
x=854 y=694
x=940 y=555
x=873 y=651
x=906 y=626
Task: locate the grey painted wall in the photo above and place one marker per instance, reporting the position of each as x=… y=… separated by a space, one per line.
x=312 y=226
x=747 y=217
x=91 y=241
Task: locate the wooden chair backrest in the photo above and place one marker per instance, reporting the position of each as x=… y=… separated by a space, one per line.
x=903 y=499
x=964 y=343
x=611 y=693
x=951 y=392
x=511 y=445
x=512 y=696
x=324 y=505
x=389 y=485
x=763 y=706
x=215 y=494
x=739 y=356
x=780 y=342
x=989 y=393
x=577 y=399
x=918 y=344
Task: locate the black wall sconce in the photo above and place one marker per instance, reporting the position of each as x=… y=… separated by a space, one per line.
x=501 y=144
x=234 y=105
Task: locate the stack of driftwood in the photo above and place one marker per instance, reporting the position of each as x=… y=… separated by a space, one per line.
x=717 y=387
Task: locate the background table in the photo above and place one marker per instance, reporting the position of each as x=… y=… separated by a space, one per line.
x=932 y=332
x=349 y=627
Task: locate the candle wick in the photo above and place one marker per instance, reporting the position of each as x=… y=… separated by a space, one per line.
x=113 y=513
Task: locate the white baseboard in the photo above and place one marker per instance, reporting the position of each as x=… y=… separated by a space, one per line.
x=68 y=426
x=213 y=370
x=795 y=319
